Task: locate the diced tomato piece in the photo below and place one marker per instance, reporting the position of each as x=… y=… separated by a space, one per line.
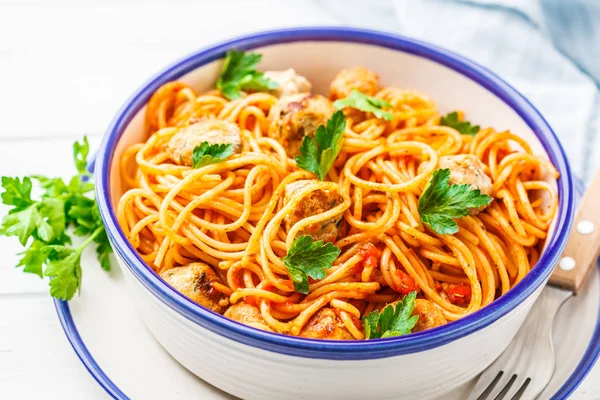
x=250 y=300
x=459 y=295
x=407 y=284
x=370 y=255
x=313 y=228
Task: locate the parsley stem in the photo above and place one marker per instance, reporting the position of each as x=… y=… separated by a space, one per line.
x=90 y=238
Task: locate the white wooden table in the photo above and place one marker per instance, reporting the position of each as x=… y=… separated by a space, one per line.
x=64 y=70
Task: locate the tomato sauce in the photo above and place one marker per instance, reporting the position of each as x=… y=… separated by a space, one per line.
x=370 y=255
x=407 y=284
x=459 y=295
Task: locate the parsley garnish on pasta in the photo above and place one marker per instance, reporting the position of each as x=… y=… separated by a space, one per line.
x=41 y=224
x=440 y=203
x=307 y=258
x=464 y=127
x=207 y=154
x=393 y=320
x=366 y=103
x=317 y=155
x=239 y=73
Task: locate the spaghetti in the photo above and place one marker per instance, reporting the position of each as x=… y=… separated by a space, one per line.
x=234 y=220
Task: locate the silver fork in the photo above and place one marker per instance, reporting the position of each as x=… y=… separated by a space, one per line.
x=527 y=365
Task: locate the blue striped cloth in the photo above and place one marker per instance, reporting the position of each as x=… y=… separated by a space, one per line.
x=548 y=49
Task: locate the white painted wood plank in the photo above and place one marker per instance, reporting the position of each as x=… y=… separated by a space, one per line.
x=36 y=360
x=67 y=69
x=44 y=156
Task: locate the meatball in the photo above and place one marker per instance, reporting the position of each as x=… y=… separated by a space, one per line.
x=211 y=130
x=430 y=316
x=247 y=314
x=326 y=324
x=195 y=281
x=358 y=78
x=289 y=82
x=315 y=203
x=296 y=116
x=467 y=169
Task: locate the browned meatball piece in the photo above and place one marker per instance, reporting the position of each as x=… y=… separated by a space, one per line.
x=195 y=281
x=315 y=203
x=289 y=82
x=325 y=324
x=358 y=78
x=247 y=314
x=468 y=169
x=296 y=116
x=430 y=316
x=211 y=130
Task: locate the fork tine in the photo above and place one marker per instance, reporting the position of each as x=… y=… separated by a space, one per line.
x=489 y=385
x=486 y=382
x=517 y=385
x=535 y=386
x=522 y=389
x=503 y=386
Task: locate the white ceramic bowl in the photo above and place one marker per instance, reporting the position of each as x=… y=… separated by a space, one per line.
x=254 y=364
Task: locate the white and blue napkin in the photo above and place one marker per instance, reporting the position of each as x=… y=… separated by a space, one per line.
x=549 y=50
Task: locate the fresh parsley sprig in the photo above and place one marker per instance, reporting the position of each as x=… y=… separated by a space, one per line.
x=317 y=155
x=239 y=73
x=393 y=320
x=41 y=224
x=307 y=258
x=207 y=154
x=440 y=203
x=464 y=127
x=362 y=102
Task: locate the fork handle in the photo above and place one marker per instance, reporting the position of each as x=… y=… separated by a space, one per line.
x=583 y=247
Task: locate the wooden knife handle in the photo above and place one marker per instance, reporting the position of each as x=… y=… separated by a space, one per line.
x=583 y=247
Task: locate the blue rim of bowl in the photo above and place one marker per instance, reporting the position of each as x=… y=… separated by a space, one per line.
x=64 y=314
x=66 y=320
x=323 y=349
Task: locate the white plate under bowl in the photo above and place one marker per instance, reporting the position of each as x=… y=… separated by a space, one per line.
x=122 y=355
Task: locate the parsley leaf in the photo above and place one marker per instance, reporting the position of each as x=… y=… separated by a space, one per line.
x=64 y=266
x=53 y=212
x=103 y=250
x=22 y=223
x=318 y=155
x=307 y=258
x=394 y=320
x=366 y=103
x=239 y=73
x=309 y=158
x=80 y=154
x=54 y=187
x=34 y=258
x=440 y=202
x=41 y=224
x=16 y=192
x=464 y=127
x=206 y=153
